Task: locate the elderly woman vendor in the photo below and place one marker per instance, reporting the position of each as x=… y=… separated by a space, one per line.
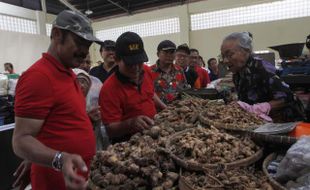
x=259 y=89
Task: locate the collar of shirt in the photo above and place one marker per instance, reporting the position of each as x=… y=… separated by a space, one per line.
x=159 y=70
x=126 y=80
x=58 y=65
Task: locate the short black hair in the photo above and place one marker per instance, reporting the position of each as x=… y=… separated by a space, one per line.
x=9 y=64
x=107 y=44
x=183 y=47
x=209 y=60
x=63 y=32
x=194 y=50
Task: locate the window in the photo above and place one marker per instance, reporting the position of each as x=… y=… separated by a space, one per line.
x=16 y=24
x=154 y=28
x=48 y=29
x=264 y=12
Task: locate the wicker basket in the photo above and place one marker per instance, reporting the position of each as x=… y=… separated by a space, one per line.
x=276 y=185
x=226 y=126
x=185 y=185
x=191 y=166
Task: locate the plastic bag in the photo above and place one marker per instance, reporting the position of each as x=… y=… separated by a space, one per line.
x=12 y=86
x=93 y=93
x=296 y=162
x=3 y=85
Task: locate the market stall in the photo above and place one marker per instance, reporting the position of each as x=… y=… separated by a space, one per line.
x=195 y=144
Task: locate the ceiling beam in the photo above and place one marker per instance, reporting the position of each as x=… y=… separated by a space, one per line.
x=118 y=5
x=65 y=2
x=43 y=5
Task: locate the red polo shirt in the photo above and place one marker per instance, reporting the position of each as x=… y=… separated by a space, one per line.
x=120 y=101
x=49 y=91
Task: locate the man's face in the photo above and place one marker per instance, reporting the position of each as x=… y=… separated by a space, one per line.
x=71 y=49
x=166 y=57
x=213 y=65
x=108 y=55
x=132 y=71
x=193 y=58
x=181 y=58
x=8 y=68
x=234 y=57
x=86 y=64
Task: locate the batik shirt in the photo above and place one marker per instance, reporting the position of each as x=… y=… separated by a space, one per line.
x=257 y=82
x=167 y=85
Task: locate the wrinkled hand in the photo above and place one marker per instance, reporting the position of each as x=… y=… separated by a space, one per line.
x=95 y=114
x=23 y=175
x=261 y=109
x=140 y=123
x=71 y=164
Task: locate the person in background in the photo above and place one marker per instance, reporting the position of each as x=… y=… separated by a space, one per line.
x=202 y=73
x=52 y=128
x=202 y=64
x=107 y=52
x=127 y=98
x=91 y=92
x=169 y=78
x=214 y=71
x=259 y=89
x=86 y=64
x=8 y=67
x=182 y=60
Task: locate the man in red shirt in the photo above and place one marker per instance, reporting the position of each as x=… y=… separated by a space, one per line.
x=127 y=96
x=52 y=129
x=202 y=73
x=168 y=78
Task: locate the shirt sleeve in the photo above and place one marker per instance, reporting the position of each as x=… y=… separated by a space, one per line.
x=110 y=104
x=34 y=96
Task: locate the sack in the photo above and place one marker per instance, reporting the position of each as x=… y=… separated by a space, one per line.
x=296 y=162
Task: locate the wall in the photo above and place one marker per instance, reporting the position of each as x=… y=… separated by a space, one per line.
x=150 y=42
x=209 y=41
x=21 y=49
x=24 y=49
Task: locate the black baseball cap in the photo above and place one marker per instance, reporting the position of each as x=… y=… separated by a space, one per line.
x=184 y=47
x=77 y=23
x=166 y=45
x=129 y=47
x=107 y=44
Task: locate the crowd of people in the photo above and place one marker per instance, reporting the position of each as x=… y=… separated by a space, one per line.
x=58 y=109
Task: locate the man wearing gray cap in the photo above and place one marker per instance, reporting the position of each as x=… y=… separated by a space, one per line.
x=52 y=129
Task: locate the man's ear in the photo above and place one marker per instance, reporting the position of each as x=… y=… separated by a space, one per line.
x=157 y=53
x=56 y=34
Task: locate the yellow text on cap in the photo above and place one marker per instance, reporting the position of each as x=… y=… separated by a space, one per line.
x=133 y=47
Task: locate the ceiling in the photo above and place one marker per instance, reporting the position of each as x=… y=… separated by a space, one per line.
x=101 y=9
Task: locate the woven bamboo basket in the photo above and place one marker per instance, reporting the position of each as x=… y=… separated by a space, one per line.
x=276 y=185
x=185 y=185
x=226 y=126
x=193 y=166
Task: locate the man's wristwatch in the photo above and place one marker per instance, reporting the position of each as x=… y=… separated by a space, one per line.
x=57 y=161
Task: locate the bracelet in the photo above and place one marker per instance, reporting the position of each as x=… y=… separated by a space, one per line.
x=57 y=161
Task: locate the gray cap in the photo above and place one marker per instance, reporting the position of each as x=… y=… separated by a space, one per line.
x=76 y=23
